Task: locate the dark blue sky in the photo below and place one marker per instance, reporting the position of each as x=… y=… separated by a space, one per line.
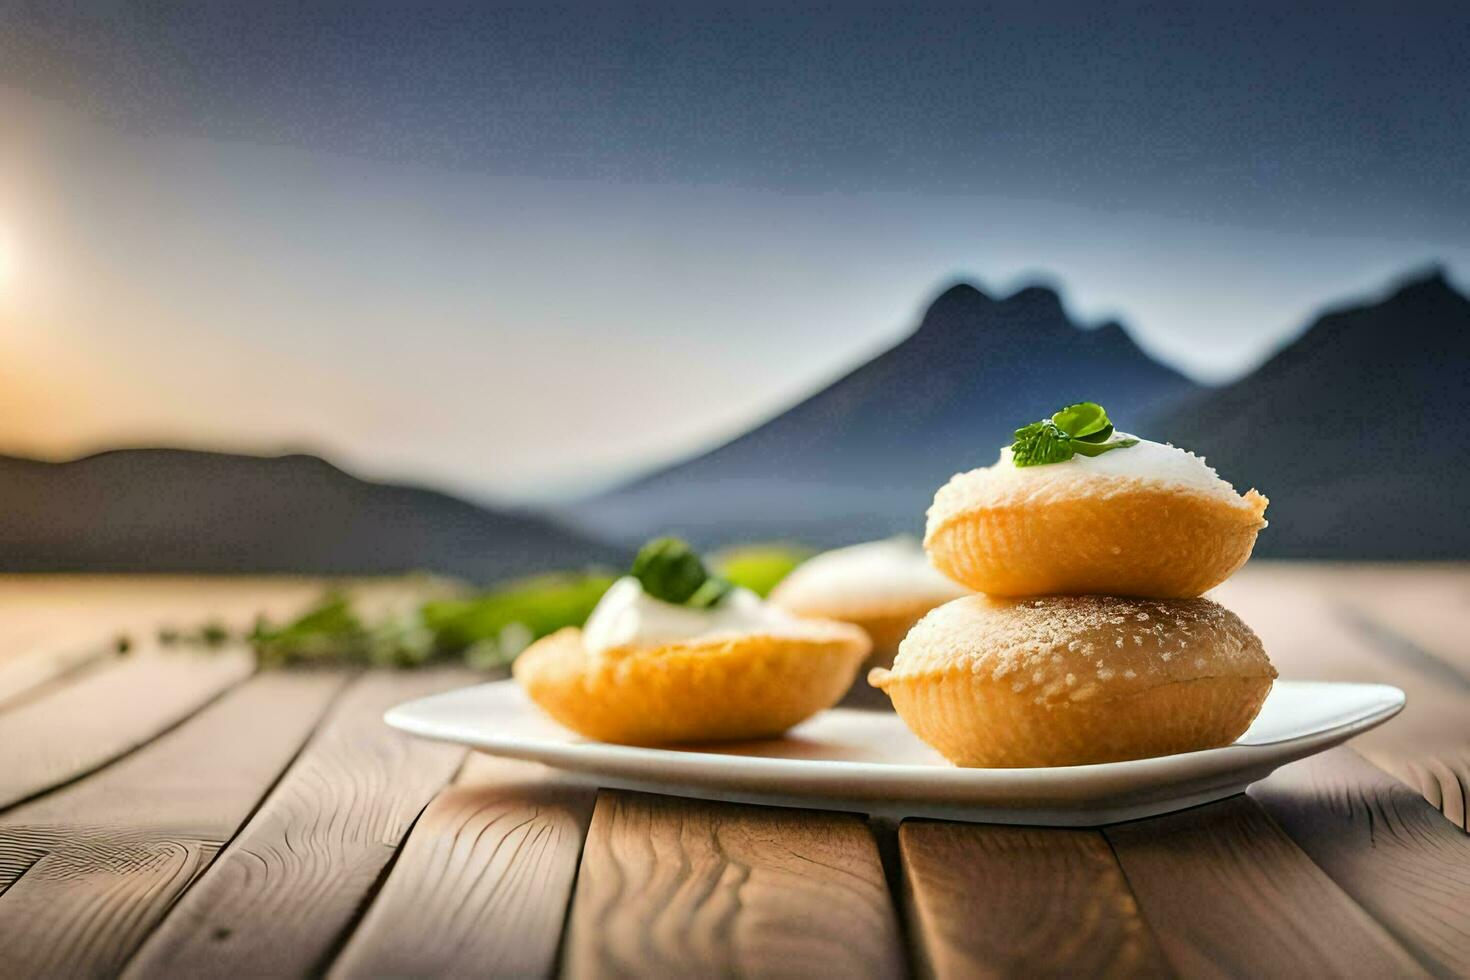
x=1314 y=114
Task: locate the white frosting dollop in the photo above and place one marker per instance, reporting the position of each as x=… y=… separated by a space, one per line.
x=1156 y=462
x=893 y=569
x=627 y=616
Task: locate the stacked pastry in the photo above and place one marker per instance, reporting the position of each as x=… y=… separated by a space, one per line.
x=1090 y=641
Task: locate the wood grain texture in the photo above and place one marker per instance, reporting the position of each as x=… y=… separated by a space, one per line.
x=483 y=884
x=1228 y=893
x=40 y=669
x=51 y=624
x=1429 y=605
x=86 y=871
x=105 y=713
x=988 y=901
x=1443 y=780
x=1420 y=618
x=1385 y=846
x=1299 y=613
x=280 y=897
x=677 y=887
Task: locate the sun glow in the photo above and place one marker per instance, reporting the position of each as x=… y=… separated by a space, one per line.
x=7 y=259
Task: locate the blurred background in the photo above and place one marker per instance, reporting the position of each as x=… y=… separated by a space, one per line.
x=490 y=290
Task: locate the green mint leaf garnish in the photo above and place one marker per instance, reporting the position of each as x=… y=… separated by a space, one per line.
x=710 y=593
x=1041 y=442
x=1083 y=428
x=1102 y=435
x=669 y=570
x=1084 y=420
x=1092 y=449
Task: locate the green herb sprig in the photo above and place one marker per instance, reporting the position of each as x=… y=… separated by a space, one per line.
x=1082 y=429
x=668 y=569
x=483 y=631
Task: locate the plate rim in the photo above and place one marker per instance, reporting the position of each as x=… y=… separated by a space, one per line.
x=872 y=780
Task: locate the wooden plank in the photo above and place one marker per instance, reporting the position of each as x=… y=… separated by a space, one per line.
x=482 y=886
x=282 y=896
x=676 y=887
x=31 y=672
x=1427 y=605
x=53 y=624
x=86 y=871
x=1021 y=902
x=1298 y=612
x=1383 y=845
x=1228 y=893
x=105 y=713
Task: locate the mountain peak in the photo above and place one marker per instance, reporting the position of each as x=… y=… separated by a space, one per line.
x=965 y=310
x=1366 y=386
x=1431 y=284
x=961 y=297
x=862 y=456
x=1415 y=311
x=1038 y=300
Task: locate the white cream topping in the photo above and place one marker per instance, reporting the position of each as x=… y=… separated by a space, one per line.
x=627 y=616
x=891 y=569
x=1153 y=462
x=1148 y=460
x=1156 y=462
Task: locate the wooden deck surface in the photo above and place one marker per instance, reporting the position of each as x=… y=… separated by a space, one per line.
x=170 y=813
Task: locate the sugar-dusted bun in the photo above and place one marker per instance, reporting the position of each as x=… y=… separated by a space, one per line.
x=1157 y=523
x=709 y=689
x=1072 y=680
x=883 y=587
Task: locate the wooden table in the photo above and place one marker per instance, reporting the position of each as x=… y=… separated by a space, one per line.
x=181 y=814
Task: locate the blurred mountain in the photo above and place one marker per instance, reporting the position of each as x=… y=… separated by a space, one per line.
x=863 y=456
x=156 y=510
x=1356 y=431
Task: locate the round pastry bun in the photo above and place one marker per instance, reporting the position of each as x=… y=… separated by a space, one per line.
x=1073 y=680
x=703 y=690
x=882 y=587
x=1104 y=535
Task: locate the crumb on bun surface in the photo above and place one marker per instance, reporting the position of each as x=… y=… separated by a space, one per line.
x=1071 y=680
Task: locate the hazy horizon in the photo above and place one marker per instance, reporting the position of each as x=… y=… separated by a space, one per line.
x=511 y=254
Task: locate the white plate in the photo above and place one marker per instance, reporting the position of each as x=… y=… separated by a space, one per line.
x=868 y=761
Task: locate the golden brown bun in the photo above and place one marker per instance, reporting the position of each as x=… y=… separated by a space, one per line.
x=885 y=625
x=884 y=598
x=1118 y=536
x=1072 y=680
x=749 y=686
x=888 y=631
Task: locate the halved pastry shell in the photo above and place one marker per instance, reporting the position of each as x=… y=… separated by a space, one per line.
x=723 y=688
